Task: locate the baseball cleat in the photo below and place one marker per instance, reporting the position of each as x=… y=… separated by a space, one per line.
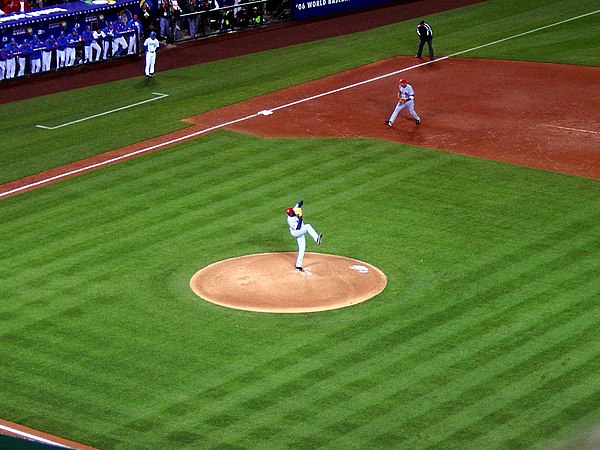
x=418 y=121
x=319 y=239
x=300 y=269
x=388 y=123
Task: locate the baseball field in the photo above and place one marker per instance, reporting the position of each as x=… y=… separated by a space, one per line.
x=487 y=332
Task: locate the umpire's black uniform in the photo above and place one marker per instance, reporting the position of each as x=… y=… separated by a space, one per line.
x=425 y=35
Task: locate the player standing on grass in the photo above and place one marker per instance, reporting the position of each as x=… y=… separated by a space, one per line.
x=151 y=46
x=298 y=229
x=406 y=99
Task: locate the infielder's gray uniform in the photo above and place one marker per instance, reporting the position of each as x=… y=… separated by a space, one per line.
x=406 y=99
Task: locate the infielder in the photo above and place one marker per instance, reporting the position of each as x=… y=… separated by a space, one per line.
x=151 y=46
x=406 y=99
x=298 y=229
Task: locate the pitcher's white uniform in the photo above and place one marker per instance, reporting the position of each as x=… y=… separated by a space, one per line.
x=298 y=229
x=406 y=99
x=151 y=46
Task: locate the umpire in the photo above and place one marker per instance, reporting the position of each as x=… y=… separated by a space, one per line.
x=425 y=35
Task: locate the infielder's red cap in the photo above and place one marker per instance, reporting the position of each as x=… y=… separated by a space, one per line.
x=289 y=211
x=401 y=81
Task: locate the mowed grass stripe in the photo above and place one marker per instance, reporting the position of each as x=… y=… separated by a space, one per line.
x=357 y=350
x=358 y=370
x=79 y=244
x=411 y=410
x=575 y=368
x=319 y=374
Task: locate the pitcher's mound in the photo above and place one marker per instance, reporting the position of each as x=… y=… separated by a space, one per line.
x=268 y=282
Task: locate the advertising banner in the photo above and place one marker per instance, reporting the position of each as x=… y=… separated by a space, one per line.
x=307 y=9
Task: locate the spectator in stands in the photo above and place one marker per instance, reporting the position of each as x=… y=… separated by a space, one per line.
x=11 y=6
x=165 y=13
x=61 y=50
x=175 y=32
x=72 y=41
x=195 y=19
x=136 y=30
x=35 y=58
x=24 y=55
x=147 y=19
x=47 y=53
x=207 y=17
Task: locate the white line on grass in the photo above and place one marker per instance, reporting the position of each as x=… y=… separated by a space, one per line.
x=266 y=112
x=106 y=112
x=31 y=436
x=119 y=158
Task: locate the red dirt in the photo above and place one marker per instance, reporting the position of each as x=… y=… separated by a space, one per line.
x=483 y=115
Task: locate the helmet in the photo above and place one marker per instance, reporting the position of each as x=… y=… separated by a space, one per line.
x=401 y=81
x=152 y=33
x=289 y=211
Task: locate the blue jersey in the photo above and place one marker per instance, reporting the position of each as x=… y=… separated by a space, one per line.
x=36 y=49
x=87 y=37
x=72 y=39
x=25 y=50
x=61 y=42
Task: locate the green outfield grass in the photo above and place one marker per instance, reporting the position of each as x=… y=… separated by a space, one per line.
x=486 y=335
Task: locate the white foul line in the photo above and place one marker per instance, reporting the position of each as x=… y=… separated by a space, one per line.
x=579 y=130
x=106 y=112
x=31 y=436
x=119 y=158
x=266 y=112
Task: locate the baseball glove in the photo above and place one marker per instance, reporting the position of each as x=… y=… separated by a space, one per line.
x=298 y=211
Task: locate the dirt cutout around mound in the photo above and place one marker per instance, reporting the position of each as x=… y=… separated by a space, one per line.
x=268 y=282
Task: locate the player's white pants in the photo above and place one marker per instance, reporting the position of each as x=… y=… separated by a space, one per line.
x=410 y=105
x=46 y=61
x=36 y=65
x=70 y=56
x=22 y=63
x=2 y=70
x=105 y=47
x=61 y=56
x=150 y=60
x=118 y=43
x=301 y=240
x=11 y=68
x=94 y=48
x=133 y=40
